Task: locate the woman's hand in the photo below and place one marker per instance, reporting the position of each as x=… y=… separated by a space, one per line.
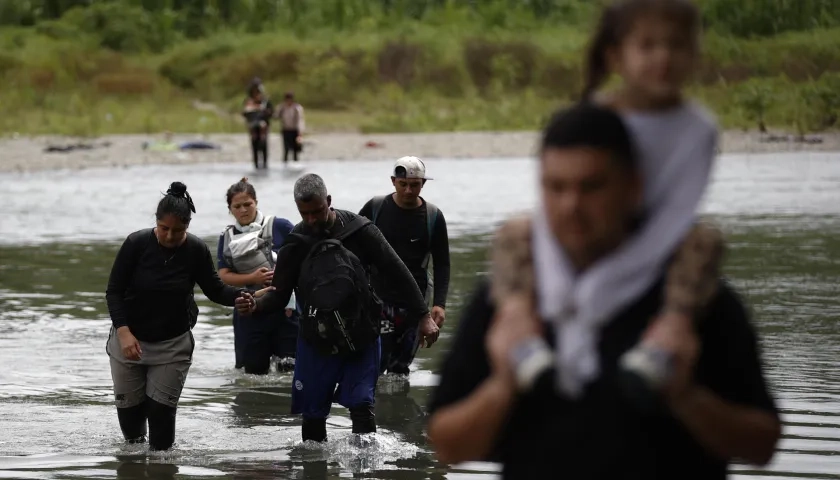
x=262 y=276
x=128 y=344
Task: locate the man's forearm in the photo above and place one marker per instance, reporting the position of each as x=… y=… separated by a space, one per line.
x=273 y=301
x=726 y=429
x=468 y=430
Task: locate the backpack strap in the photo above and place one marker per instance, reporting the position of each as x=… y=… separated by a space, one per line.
x=267 y=231
x=376 y=207
x=431 y=219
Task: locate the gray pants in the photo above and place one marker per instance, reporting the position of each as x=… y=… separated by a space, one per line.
x=159 y=374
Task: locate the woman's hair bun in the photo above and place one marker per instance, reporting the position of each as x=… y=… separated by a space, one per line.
x=244 y=180
x=177 y=189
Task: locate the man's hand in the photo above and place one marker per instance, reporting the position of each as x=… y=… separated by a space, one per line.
x=245 y=303
x=429 y=331
x=438 y=315
x=674 y=333
x=514 y=323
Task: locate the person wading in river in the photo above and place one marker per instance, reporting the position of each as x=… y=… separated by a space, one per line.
x=326 y=261
x=416 y=229
x=247 y=253
x=258 y=110
x=291 y=124
x=150 y=300
x=538 y=393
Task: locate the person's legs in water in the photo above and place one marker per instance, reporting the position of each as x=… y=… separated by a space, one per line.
x=357 y=387
x=406 y=350
x=163 y=389
x=129 y=394
x=257 y=334
x=313 y=389
x=289 y=144
x=255 y=146
x=296 y=145
x=238 y=339
x=264 y=145
x=390 y=339
x=284 y=341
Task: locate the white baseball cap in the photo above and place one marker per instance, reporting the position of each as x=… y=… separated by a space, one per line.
x=413 y=166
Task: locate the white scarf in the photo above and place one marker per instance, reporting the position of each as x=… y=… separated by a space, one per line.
x=254 y=226
x=675 y=172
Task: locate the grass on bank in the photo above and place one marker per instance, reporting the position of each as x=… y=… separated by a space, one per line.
x=417 y=77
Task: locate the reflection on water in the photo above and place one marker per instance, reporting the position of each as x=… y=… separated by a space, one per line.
x=56 y=415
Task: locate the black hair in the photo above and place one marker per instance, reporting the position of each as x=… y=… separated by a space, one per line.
x=241 y=186
x=616 y=22
x=589 y=125
x=255 y=84
x=176 y=202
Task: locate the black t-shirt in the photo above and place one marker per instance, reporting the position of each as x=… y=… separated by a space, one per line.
x=407 y=230
x=367 y=244
x=150 y=289
x=601 y=436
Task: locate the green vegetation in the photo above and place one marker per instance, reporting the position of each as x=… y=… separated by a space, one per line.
x=86 y=67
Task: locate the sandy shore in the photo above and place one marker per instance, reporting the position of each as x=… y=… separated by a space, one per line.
x=27 y=154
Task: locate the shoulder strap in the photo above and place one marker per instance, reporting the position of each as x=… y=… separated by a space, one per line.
x=268 y=231
x=431 y=219
x=354 y=226
x=376 y=206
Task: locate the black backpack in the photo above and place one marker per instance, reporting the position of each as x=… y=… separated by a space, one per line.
x=340 y=311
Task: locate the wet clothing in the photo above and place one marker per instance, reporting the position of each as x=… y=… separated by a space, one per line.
x=601 y=436
x=398 y=351
x=150 y=289
x=159 y=374
x=259 y=336
x=408 y=232
x=354 y=374
x=316 y=377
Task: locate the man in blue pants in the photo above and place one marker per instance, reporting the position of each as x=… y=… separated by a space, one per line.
x=326 y=260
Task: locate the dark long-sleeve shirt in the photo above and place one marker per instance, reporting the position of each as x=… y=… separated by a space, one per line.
x=368 y=244
x=601 y=435
x=407 y=232
x=150 y=289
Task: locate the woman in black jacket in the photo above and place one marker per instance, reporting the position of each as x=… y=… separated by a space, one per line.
x=150 y=299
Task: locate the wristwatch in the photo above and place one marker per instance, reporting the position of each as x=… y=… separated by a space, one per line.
x=529 y=359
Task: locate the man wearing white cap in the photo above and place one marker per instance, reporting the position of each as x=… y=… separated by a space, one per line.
x=416 y=229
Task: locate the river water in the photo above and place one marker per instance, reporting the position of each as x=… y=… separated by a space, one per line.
x=60 y=231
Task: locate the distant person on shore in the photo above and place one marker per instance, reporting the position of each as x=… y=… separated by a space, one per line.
x=416 y=229
x=150 y=300
x=533 y=388
x=292 y=125
x=247 y=254
x=258 y=110
x=326 y=262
